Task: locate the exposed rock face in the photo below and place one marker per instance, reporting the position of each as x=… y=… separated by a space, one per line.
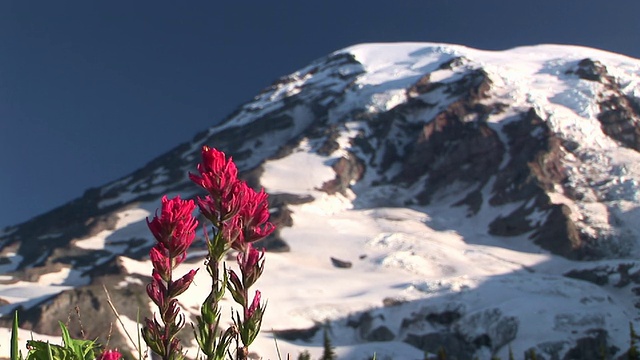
x=297 y=334
x=535 y=168
x=625 y=276
x=456 y=144
x=87 y=314
x=619 y=113
x=591 y=70
x=592 y=347
x=620 y=118
x=348 y=169
x=454 y=345
x=489 y=328
x=461 y=335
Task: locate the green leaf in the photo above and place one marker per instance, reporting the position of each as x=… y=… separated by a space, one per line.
x=40 y=350
x=139 y=332
x=49 y=353
x=15 y=355
x=78 y=348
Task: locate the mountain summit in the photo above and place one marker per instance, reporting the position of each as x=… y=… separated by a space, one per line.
x=426 y=195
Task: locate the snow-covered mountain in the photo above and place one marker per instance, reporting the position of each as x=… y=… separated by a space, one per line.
x=426 y=195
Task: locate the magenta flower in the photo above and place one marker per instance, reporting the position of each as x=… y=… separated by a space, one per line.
x=255 y=305
x=157 y=291
x=254 y=215
x=161 y=262
x=110 y=355
x=175 y=227
x=251 y=263
x=218 y=175
x=181 y=285
x=240 y=216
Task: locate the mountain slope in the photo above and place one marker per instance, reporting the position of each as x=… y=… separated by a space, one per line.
x=470 y=199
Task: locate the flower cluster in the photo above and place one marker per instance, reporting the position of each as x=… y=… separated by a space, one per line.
x=174 y=230
x=233 y=207
x=110 y=355
x=239 y=217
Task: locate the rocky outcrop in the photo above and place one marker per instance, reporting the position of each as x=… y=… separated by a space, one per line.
x=624 y=275
x=620 y=119
x=460 y=334
x=457 y=145
x=591 y=70
x=341 y=264
x=619 y=113
x=595 y=346
x=349 y=169
x=81 y=308
x=535 y=168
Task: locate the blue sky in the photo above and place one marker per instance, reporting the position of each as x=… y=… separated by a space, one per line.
x=90 y=91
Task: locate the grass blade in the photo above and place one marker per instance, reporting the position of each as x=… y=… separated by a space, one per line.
x=49 y=353
x=14 y=338
x=115 y=312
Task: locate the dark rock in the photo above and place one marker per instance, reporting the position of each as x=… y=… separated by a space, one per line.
x=453 y=63
x=535 y=167
x=370 y=327
x=90 y=302
x=535 y=162
x=513 y=224
x=381 y=333
x=560 y=235
x=330 y=143
x=280 y=199
x=591 y=70
x=620 y=119
x=388 y=302
x=348 y=169
x=423 y=86
x=490 y=328
x=451 y=149
x=297 y=334
x=453 y=344
x=592 y=347
x=342 y=264
x=444 y=318
x=598 y=276
x=473 y=201
x=625 y=277
x=551 y=349
x=273 y=243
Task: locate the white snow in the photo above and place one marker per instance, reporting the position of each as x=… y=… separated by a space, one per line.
x=283 y=175
x=125 y=219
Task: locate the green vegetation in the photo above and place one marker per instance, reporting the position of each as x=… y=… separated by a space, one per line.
x=71 y=349
x=328 y=353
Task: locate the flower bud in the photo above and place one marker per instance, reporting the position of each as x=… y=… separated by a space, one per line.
x=181 y=285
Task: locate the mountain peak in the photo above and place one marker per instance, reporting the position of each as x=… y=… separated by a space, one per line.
x=482 y=199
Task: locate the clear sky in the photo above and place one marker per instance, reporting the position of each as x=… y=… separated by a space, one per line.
x=90 y=91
